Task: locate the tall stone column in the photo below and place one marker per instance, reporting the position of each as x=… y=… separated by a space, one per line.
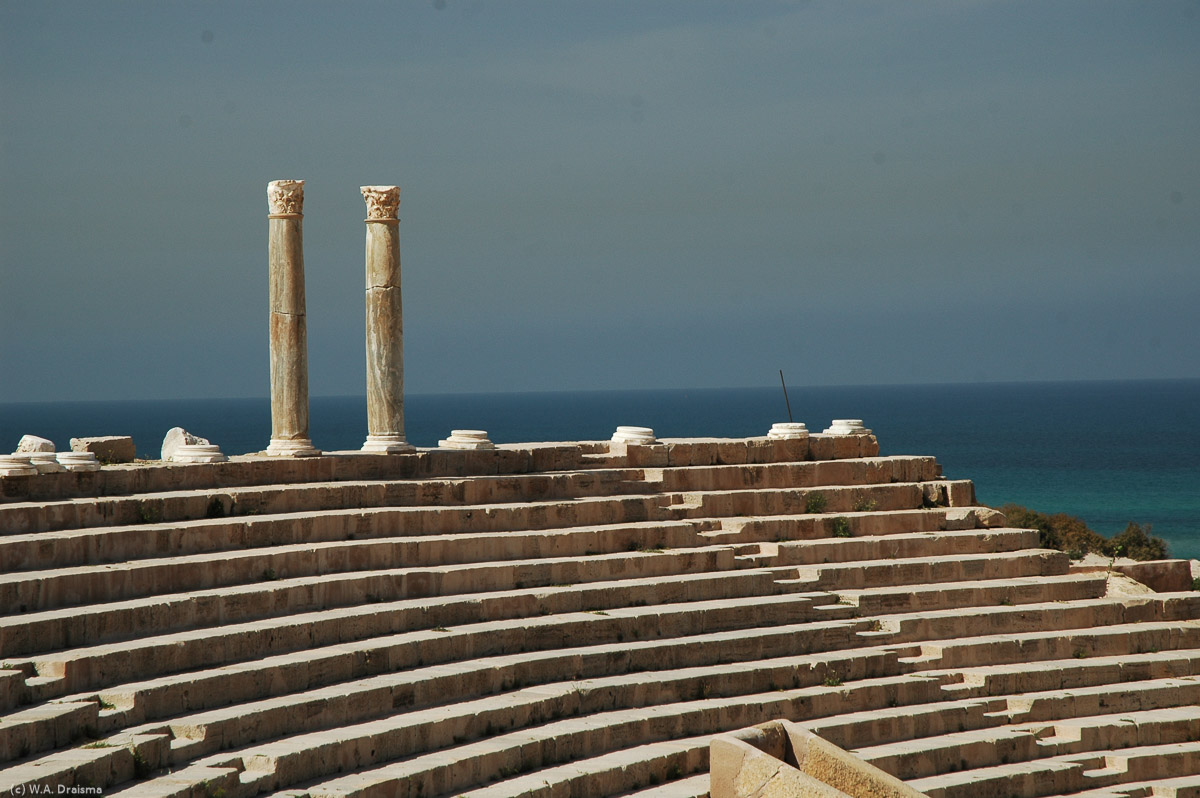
x=385 y=323
x=289 y=336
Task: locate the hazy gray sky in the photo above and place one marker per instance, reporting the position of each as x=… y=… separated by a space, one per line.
x=603 y=195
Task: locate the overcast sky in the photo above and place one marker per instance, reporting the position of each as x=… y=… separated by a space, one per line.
x=603 y=195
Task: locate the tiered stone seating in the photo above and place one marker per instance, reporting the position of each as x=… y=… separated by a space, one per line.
x=559 y=619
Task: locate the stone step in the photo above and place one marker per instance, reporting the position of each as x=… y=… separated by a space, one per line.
x=244 y=471
x=253 y=680
x=65 y=587
x=819 y=528
x=1053 y=705
x=1178 y=787
x=1068 y=774
x=961 y=595
x=1116 y=632
x=931 y=570
x=688 y=787
x=808 y=474
x=185 y=505
x=459 y=718
x=73 y=627
x=828 y=499
x=900 y=724
x=122 y=543
x=600 y=683
x=903 y=544
x=940 y=631
x=92 y=547
x=473 y=764
x=978 y=748
x=1066 y=674
x=98 y=667
x=102 y=763
x=624 y=772
x=182 y=505
x=46 y=726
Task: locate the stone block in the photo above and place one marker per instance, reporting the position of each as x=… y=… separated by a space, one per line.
x=176 y=437
x=32 y=443
x=108 y=449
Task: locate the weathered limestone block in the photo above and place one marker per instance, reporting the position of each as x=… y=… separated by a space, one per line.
x=108 y=449
x=780 y=758
x=32 y=443
x=467 y=439
x=16 y=465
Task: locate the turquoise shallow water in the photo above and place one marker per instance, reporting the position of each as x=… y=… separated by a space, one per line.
x=1110 y=452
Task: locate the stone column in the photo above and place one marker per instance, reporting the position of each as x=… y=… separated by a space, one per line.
x=289 y=336
x=385 y=323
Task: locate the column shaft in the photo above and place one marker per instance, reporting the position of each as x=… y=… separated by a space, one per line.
x=288 y=333
x=385 y=323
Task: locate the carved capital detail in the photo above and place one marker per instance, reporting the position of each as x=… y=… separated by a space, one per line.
x=383 y=202
x=285 y=197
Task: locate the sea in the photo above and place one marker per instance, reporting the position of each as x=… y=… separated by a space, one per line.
x=1111 y=453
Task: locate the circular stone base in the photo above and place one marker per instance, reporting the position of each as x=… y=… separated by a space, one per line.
x=16 y=465
x=387 y=444
x=847 y=426
x=198 y=453
x=787 y=430
x=79 y=461
x=466 y=439
x=637 y=435
x=291 y=448
x=46 y=462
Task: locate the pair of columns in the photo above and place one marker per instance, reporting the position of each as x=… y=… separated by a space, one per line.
x=289 y=336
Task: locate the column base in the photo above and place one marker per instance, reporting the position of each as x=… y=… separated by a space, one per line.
x=291 y=448
x=387 y=444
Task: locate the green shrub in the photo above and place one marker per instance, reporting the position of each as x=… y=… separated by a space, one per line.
x=1070 y=534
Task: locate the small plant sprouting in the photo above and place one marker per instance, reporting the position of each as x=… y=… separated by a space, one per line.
x=832 y=679
x=864 y=504
x=841 y=527
x=1196 y=584
x=1080 y=653
x=269 y=575
x=439 y=629
x=815 y=502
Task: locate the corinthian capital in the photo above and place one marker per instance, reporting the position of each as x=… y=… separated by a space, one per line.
x=285 y=197
x=383 y=202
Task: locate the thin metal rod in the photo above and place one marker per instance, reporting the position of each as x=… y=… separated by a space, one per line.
x=785 y=397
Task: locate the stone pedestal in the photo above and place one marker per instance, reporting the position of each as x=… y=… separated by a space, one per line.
x=46 y=462
x=289 y=335
x=787 y=430
x=16 y=465
x=637 y=435
x=198 y=453
x=385 y=323
x=79 y=461
x=467 y=439
x=847 y=426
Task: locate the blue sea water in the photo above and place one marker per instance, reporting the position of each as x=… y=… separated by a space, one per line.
x=1109 y=452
